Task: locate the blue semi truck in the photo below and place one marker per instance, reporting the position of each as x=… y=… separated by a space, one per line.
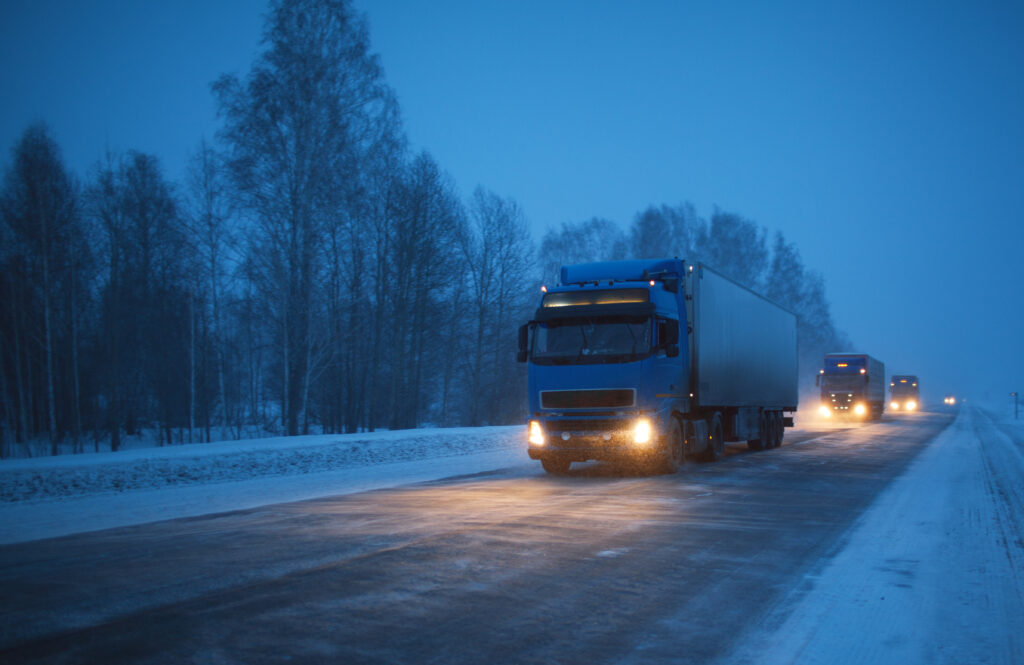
x=852 y=386
x=654 y=361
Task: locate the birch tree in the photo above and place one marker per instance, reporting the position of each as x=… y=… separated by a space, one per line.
x=294 y=131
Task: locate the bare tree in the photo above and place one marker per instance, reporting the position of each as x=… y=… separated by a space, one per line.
x=295 y=132
x=737 y=247
x=39 y=206
x=498 y=253
x=210 y=221
x=595 y=239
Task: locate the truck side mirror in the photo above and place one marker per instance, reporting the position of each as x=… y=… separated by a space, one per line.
x=524 y=341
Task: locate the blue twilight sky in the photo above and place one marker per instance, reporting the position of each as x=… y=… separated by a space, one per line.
x=885 y=138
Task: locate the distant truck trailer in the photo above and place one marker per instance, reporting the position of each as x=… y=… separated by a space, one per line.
x=654 y=361
x=905 y=393
x=852 y=385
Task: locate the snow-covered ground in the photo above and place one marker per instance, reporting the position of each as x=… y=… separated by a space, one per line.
x=55 y=496
x=933 y=572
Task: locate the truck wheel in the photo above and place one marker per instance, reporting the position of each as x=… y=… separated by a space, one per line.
x=555 y=465
x=764 y=441
x=716 y=442
x=671 y=455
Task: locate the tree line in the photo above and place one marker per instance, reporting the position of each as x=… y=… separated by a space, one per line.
x=309 y=273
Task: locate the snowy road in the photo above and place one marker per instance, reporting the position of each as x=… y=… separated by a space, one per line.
x=901 y=541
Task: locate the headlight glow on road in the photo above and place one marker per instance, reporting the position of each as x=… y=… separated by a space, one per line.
x=859 y=410
x=536 y=433
x=642 y=431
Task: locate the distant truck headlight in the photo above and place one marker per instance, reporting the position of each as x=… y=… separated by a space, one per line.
x=859 y=410
x=825 y=411
x=911 y=405
x=536 y=434
x=895 y=406
x=642 y=431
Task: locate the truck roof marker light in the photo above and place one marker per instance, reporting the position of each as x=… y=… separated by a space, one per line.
x=651 y=282
x=821 y=371
x=543 y=289
x=863 y=371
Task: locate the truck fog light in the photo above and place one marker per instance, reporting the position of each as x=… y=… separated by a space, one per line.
x=825 y=411
x=859 y=410
x=642 y=431
x=911 y=406
x=895 y=406
x=536 y=433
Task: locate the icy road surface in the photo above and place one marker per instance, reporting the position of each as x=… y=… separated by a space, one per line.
x=899 y=542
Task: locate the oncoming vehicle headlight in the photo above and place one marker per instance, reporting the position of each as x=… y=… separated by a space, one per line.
x=859 y=410
x=825 y=411
x=894 y=405
x=911 y=405
x=642 y=431
x=536 y=433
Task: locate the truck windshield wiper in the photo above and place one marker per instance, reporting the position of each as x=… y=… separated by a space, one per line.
x=584 y=346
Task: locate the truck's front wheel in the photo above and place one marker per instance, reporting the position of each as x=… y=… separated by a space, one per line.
x=671 y=454
x=555 y=465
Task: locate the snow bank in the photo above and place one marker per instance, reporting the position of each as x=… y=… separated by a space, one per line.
x=47 y=497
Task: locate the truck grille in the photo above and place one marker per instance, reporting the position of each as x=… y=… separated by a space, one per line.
x=587 y=399
x=591 y=425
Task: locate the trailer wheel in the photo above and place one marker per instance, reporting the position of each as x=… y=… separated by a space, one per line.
x=555 y=465
x=778 y=430
x=764 y=440
x=716 y=442
x=671 y=456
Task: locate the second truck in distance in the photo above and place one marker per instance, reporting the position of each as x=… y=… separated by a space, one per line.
x=852 y=385
x=906 y=394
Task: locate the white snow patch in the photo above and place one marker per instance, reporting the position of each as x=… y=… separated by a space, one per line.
x=932 y=573
x=54 y=496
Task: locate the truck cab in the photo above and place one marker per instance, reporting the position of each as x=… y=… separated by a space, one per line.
x=851 y=386
x=905 y=393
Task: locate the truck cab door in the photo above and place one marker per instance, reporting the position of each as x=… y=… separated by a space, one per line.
x=667 y=360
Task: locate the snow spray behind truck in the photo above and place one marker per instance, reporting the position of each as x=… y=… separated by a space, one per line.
x=653 y=361
x=852 y=385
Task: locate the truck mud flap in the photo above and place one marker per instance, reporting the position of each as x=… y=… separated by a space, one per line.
x=787 y=421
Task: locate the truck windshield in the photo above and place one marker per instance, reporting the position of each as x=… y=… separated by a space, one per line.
x=592 y=340
x=842 y=381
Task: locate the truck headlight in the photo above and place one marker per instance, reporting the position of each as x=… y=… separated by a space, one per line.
x=895 y=406
x=536 y=433
x=825 y=411
x=642 y=431
x=859 y=410
x=911 y=405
